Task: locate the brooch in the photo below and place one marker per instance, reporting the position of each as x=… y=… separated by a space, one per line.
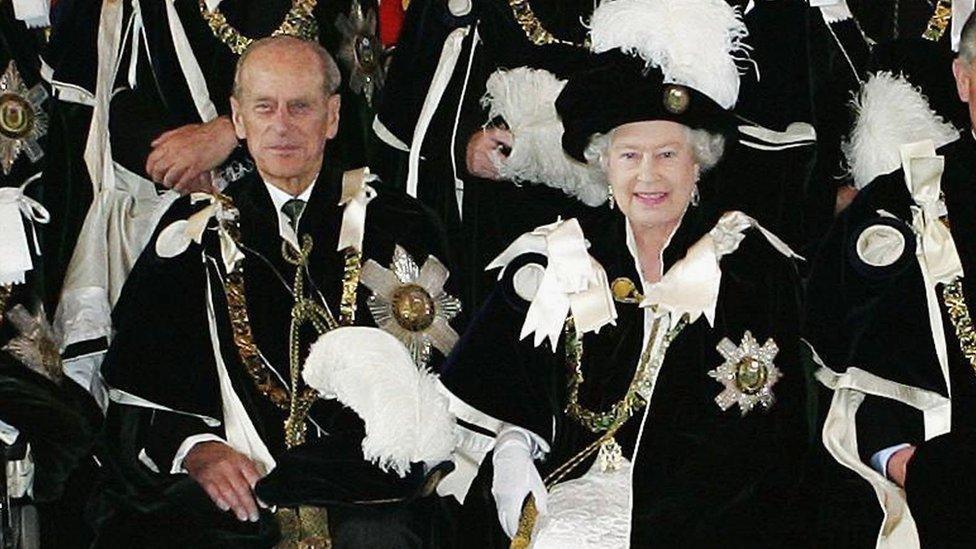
x=22 y=121
x=748 y=373
x=410 y=302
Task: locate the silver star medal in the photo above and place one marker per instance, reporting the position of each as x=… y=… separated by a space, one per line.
x=22 y=121
x=361 y=51
x=748 y=373
x=410 y=302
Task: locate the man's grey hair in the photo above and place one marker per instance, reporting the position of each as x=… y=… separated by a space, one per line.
x=967 y=40
x=707 y=148
x=331 y=77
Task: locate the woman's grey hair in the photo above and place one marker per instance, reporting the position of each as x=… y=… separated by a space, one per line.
x=707 y=147
x=331 y=76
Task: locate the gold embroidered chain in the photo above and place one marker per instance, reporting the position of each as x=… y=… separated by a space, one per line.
x=632 y=401
x=533 y=29
x=940 y=19
x=955 y=303
x=304 y=310
x=298 y=22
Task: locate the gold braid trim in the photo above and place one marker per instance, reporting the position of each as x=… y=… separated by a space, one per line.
x=533 y=29
x=298 y=22
x=350 y=283
x=940 y=19
x=955 y=303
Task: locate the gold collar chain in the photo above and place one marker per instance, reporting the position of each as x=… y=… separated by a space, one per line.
x=533 y=28
x=955 y=303
x=298 y=22
x=939 y=21
x=304 y=311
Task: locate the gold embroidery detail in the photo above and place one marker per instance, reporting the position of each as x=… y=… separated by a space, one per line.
x=955 y=304
x=298 y=22
x=533 y=29
x=941 y=17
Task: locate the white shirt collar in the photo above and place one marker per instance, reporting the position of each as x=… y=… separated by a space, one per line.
x=278 y=198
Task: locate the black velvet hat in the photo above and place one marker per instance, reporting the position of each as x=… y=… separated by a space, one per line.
x=655 y=60
x=619 y=89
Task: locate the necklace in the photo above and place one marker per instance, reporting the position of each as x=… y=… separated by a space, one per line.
x=298 y=22
x=533 y=28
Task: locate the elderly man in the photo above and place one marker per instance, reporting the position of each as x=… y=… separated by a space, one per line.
x=888 y=306
x=214 y=325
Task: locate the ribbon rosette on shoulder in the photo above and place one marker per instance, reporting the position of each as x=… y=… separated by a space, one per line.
x=176 y=238
x=371 y=372
x=410 y=303
x=572 y=282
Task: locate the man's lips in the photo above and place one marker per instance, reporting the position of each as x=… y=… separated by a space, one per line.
x=651 y=198
x=283 y=149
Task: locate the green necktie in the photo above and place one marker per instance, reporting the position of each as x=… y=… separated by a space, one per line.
x=293 y=210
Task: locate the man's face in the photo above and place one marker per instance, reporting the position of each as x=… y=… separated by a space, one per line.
x=965 y=74
x=283 y=113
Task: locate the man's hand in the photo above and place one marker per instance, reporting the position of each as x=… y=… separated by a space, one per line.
x=227 y=476
x=181 y=159
x=486 y=149
x=898 y=464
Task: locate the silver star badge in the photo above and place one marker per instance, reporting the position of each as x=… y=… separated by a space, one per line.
x=410 y=302
x=748 y=373
x=22 y=121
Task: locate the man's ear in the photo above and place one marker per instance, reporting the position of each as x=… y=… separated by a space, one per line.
x=962 y=71
x=235 y=117
x=332 y=105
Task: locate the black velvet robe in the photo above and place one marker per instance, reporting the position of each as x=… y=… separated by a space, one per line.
x=162 y=353
x=703 y=477
x=876 y=318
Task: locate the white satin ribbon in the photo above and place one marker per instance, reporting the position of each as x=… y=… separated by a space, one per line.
x=176 y=238
x=34 y=13
x=573 y=281
x=692 y=284
x=356 y=195
x=15 y=257
x=188 y=63
x=923 y=175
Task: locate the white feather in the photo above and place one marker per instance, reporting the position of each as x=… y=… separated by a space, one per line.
x=693 y=42
x=525 y=98
x=371 y=372
x=889 y=113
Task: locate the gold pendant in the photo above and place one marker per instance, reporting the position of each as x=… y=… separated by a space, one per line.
x=610 y=456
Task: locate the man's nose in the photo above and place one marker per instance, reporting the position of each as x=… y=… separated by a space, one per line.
x=281 y=120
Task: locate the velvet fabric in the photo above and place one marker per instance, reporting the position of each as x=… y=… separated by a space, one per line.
x=702 y=476
x=162 y=353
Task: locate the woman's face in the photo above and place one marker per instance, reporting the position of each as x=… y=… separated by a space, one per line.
x=652 y=170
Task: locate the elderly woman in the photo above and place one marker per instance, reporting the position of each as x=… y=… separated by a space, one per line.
x=637 y=373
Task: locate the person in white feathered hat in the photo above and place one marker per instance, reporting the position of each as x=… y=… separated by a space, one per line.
x=636 y=375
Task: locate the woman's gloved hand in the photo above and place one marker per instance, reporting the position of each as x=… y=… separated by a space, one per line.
x=515 y=477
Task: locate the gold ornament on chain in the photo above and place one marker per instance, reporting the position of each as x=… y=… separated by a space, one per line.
x=940 y=19
x=533 y=28
x=298 y=22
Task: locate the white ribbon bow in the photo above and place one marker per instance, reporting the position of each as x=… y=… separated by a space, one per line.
x=692 y=284
x=176 y=238
x=356 y=195
x=923 y=175
x=573 y=281
x=15 y=257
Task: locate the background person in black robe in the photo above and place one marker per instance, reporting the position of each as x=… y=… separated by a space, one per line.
x=883 y=309
x=163 y=352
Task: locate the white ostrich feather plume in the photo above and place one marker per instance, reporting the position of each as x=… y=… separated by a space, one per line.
x=371 y=372
x=525 y=98
x=889 y=113
x=693 y=42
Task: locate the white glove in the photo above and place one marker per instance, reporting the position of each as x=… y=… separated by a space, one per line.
x=515 y=477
